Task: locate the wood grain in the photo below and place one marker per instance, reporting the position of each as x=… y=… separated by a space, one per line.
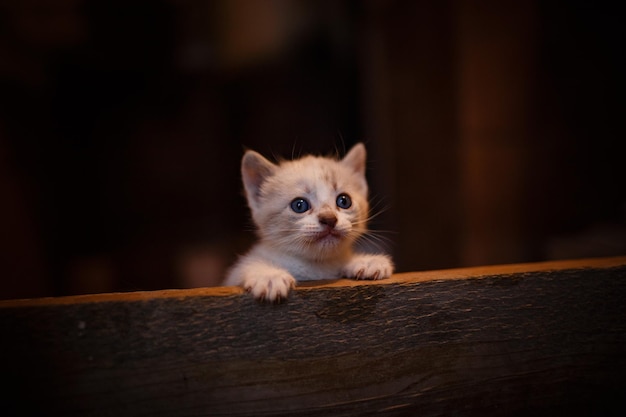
x=547 y=339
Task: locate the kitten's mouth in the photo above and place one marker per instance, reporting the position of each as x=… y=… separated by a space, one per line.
x=328 y=235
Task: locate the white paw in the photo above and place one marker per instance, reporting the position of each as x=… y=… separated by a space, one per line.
x=272 y=286
x=369 y=267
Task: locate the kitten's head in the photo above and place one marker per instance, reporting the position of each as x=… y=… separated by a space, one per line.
x=313 y=207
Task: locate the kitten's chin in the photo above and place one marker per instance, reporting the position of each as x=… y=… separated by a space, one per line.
x=322 y=245
x=327 y=244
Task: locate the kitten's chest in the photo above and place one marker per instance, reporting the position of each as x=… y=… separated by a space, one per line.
x=308 y=271
x=302 y=269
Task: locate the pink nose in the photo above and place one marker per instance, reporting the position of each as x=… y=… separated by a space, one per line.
x=329 y=220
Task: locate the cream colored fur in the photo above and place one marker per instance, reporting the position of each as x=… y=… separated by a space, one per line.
x=315 y=244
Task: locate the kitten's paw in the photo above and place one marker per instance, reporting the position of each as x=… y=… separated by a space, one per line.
x=369 y=267
x=272 y=286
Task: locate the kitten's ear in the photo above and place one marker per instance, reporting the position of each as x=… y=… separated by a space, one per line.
x=355 y=159
x=255 y=169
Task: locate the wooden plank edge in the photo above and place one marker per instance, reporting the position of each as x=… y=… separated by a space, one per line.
x=476 y=272
x=399 y=278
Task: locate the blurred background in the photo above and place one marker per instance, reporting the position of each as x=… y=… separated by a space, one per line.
x=493 y=130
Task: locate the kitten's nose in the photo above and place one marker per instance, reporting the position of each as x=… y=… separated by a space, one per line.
x=328 y=219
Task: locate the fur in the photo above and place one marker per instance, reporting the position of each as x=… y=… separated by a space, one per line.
x=316 y=243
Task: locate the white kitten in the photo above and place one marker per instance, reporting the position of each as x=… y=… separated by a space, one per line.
x=309 y=212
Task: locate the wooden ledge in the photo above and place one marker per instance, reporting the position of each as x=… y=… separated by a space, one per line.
x=478 y=272
x=399 y=278
x=538 y=339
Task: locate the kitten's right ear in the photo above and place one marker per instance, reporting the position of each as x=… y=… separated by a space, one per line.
x=355 y=159
x=255 y=169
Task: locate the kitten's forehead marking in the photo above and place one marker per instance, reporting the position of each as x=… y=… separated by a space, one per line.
x=329 y=176
x=322 y=181
x=316 y=188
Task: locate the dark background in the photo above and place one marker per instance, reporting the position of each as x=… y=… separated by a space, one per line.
x=493 y=129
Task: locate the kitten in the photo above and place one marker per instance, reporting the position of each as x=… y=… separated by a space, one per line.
x=309 y=212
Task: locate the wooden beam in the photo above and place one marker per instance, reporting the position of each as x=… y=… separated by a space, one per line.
x=533 y=339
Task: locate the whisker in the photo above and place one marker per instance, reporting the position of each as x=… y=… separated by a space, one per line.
x=379 y=239
x=378 y=242
x=376 y=207
x=376 y=201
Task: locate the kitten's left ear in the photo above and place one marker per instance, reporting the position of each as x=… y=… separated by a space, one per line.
x=355 y=159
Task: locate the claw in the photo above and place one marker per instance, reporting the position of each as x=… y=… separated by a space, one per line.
x=289 y=284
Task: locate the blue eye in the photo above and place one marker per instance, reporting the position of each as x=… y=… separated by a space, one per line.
x=300 y=205
x=344 y=201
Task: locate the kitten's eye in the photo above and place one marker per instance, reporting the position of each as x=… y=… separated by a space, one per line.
x=300 y=205
x=344 y=201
